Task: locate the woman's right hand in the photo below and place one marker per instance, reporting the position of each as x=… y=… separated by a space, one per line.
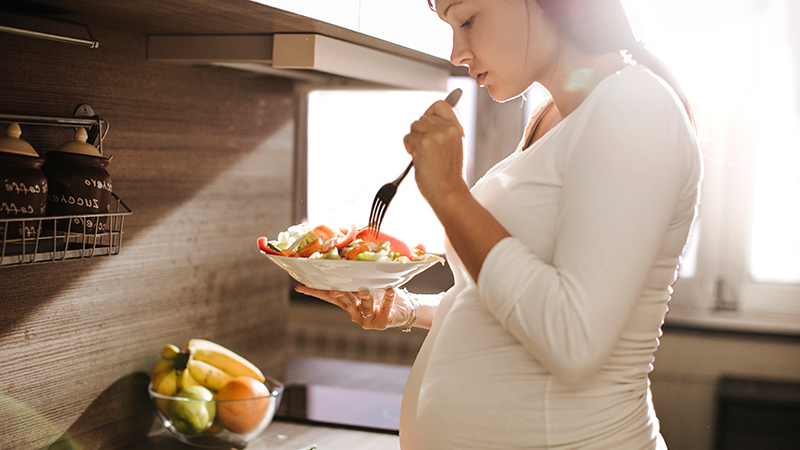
x=373 y=310
x=435 y=144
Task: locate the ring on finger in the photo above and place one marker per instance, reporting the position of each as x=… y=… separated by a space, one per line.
x=367 y=315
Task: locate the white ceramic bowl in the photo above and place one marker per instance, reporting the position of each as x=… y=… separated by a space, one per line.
x=346 y=275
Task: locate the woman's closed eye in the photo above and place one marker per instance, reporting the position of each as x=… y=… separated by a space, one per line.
x=467 y=23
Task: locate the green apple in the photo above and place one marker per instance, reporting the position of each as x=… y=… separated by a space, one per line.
x=193 y=416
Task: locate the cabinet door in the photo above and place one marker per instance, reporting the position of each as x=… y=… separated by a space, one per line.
x=409 y=23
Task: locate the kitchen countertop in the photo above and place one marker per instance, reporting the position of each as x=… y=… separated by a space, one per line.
x=283 y=435
x=297 y=434
x=294 y=436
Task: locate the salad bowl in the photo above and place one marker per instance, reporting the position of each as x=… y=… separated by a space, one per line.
x=350 y=275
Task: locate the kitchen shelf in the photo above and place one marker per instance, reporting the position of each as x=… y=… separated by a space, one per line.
x=61 y=238
x=84 y=116
x=45 y=28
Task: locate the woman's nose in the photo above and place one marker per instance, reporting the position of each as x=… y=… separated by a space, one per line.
x=460 y=55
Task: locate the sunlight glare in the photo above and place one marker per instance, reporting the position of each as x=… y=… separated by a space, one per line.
x=733 y=59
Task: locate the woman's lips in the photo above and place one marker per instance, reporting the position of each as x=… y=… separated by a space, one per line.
x=480 y=78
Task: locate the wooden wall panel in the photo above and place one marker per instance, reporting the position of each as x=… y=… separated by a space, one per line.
x=203 y=157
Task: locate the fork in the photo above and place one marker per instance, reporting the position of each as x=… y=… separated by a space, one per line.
x=387 y=191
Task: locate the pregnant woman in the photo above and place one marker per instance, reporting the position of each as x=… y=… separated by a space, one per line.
x=564 y=253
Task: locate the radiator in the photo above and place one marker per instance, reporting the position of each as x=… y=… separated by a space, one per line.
x=758 y=414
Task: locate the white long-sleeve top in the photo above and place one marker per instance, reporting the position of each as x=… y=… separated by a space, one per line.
x=552 y=346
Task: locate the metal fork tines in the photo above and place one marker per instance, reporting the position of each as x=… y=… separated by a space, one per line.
x=387 y=191
x=382 y=198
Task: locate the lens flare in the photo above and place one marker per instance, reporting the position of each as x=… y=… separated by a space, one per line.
x=578 y=80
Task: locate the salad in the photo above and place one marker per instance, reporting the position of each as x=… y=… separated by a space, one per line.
x=326 y=242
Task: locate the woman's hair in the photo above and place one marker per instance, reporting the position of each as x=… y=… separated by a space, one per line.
x=601 y=26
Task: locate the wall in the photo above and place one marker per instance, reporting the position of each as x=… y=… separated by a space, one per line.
x=204 y=158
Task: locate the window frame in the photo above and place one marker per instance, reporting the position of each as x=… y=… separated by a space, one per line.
x=722 y=295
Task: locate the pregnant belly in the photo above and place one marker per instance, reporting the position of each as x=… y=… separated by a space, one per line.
x=481 y=389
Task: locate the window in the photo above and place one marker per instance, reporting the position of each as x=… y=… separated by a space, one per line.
x=739 y=62
x=355 y=145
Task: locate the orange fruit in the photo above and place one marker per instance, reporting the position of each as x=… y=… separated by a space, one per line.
x=240 y=415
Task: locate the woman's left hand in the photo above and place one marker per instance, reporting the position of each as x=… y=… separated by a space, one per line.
x=435 y=144
x=373 y=310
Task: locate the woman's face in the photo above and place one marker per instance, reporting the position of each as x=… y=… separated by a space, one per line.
x=507 y=44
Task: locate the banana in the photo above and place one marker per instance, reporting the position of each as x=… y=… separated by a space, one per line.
x=161 y=366
x=167 y=361
x=222 y=358
x=170 y=351
x=169 y=383
x=166 y=383
x=216 y=427
x=209 y=376
x=169 y=376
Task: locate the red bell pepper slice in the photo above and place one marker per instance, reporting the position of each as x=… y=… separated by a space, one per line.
x=263 y=244
x=266 y=247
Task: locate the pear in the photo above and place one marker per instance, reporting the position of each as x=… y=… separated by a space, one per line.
x=196 y=415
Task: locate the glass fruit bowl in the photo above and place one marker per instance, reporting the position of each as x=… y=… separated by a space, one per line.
x=208 y=422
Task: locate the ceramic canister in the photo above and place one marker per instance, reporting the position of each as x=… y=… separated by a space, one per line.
x=23 y=192
x=79 y=184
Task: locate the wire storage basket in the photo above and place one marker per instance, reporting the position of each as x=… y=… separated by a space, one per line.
x=59 y=238
x=52 y=238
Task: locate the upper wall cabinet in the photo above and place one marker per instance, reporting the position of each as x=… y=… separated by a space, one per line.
x=409 y=23
x=380 y=45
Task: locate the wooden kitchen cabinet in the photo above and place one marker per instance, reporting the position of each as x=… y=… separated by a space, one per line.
x=409 y=24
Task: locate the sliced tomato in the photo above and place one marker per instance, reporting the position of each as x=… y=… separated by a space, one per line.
x=345 y=235
x=311 y=248
x=418 y=249
x=263 y=244
x=367 y=234
x=349 y=235
x=357 y=250
x=289 y=253
x=325 y=232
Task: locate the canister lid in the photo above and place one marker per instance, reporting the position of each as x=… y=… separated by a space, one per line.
x=11 y=143
x=79 y=145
